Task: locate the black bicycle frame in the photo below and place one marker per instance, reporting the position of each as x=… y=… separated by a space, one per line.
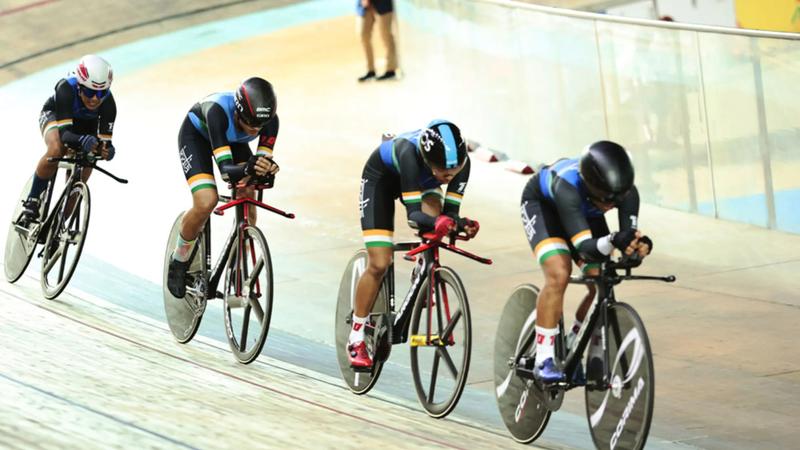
x=402 y=320
x=598 y=312
x=242 y=207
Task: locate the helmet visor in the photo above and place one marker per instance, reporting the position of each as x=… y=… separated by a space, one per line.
x=605 y=197
x=91 y=93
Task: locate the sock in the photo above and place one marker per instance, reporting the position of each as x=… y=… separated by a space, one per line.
x=183 y=249
x=37 y=186
x=545 y=343
x=357 y=332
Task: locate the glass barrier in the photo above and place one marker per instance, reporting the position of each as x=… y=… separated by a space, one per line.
x=708 y=118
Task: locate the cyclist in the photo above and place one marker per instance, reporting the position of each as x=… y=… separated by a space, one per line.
x=221 y=125
x=411 y=166
x=79 y=115
x=563 y=208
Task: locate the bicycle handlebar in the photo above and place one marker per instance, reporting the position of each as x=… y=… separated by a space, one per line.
x=433 y=240
x=608 y=272
x=89 y=161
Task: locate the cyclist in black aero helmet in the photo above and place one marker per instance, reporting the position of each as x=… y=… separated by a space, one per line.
x=219 y=127
x=411 y=166
x=563 y=207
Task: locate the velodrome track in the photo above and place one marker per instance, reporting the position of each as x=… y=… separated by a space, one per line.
x=99 y=366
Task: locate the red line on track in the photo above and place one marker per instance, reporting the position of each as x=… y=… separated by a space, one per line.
x=243 y=380
x=21 y=8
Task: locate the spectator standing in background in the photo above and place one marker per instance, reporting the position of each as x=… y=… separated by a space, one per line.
x=369 y=12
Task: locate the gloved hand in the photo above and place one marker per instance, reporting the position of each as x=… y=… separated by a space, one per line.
x=469 y=226
x=444 y=224
x=88 y=143
x=622 y=239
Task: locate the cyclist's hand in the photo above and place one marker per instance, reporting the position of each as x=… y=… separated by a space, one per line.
x=626 y=241
x=107 y=150
x=88 y=143
x=645 y=246
x=444 y=225
x=469 y=226
x=259 y=166
x=273 y=167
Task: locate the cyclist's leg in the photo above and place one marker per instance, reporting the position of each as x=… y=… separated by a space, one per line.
x=547 y=239
x=599 y=228
x=45 y=170
x=376 y=203
x=196 y=160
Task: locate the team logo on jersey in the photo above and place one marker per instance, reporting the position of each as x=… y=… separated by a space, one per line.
x=362 y=202
x=634 y=221
x=110 y=127
x=461 y=187
x=528 y=222
x=186 y=160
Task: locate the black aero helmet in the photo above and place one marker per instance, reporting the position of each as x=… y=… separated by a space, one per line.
x=255 y=101
x=607 y=171
x=442 y=146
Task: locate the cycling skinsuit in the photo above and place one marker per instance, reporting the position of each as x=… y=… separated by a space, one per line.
x=559 y=218
x=66 y=112
x=210 y=129
x=396 y=169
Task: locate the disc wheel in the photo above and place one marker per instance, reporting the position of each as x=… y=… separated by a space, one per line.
x=248 y=295
x=620 y=412
x=20 y=241
x=184 y=314
x=521 y=407
x=441 y=342
x=376 y=332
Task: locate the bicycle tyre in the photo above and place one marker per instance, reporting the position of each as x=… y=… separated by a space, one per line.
x=609 y=411
x=59 y=238
x=258 y=305
x=447 y=277
x=360 y=382
x=524 y=413
x=19 y=249
x=185 y=314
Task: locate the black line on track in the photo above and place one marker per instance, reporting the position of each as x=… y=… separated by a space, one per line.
x=96 y=411
x=132 y=26
x=223 y=373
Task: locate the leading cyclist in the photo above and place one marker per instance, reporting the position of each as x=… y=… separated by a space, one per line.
x=563 y=207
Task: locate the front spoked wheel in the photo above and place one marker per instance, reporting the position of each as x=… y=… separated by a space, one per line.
x=184 y=314
x=20 y=240
x=65 y=239
x=521 y=406
x=376 y=332
x=620 y=410
x=248 y=295
x=441 y=342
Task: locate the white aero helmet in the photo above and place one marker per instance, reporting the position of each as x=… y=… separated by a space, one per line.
x=94 y=72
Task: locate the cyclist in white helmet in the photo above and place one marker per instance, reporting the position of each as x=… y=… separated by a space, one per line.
x=79 y=115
